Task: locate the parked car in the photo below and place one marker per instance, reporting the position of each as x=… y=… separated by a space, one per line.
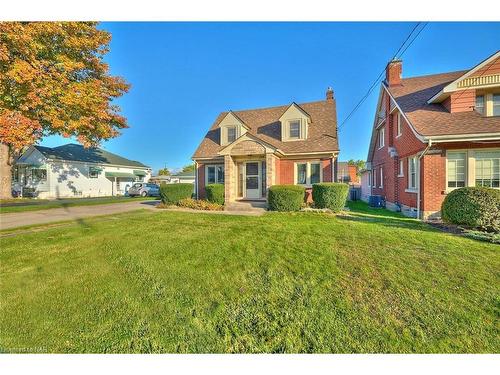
x=144 y=190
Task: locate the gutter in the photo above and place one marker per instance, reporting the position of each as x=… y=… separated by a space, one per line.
x=429 y=145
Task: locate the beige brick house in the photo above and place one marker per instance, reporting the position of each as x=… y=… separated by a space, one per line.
x=250 y=150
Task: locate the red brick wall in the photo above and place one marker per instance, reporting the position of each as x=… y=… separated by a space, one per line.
x=433 y=174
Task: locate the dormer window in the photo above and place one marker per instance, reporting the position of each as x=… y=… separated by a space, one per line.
x=480 y=104
x=294 y=123
x=231 y=134
x=294 y=129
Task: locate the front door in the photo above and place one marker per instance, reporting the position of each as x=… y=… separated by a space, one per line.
x=252 y=180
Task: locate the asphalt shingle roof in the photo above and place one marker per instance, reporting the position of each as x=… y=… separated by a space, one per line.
x=75 y=152
x=264 y=124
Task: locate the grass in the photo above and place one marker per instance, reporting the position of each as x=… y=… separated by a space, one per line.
x=367 y=281
x=23 y=205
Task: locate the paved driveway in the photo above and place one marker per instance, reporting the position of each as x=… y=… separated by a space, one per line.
x=14 y=220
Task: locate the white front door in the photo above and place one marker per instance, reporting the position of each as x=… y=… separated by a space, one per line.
x=252 y=179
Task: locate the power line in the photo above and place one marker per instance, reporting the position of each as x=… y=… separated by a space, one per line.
x=361 y=101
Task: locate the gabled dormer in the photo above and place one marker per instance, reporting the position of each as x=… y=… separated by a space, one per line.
x=294 y=123
x=231 y=128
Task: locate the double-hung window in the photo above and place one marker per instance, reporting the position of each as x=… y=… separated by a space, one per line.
x=39 y=174
x=231 y=134
x=381 y=182
x=496 y=104
x=294 y=129
x=480 y=104
x=455 y=165
x=488 y=169
x=308 y=173
x=401 y=169
x=215 y=174
x=381 y=137
x=412 y=173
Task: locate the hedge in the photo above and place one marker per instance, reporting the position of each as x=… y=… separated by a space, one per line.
x=215 y=193
x=173 y=193
x=473 y=207
x=330 y=195
x=285 y=197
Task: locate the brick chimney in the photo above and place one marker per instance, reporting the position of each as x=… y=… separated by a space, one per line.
x=329 y=94
x=393 y=72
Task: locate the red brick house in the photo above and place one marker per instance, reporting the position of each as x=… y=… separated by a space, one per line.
x=433 y=134
x=250 y=150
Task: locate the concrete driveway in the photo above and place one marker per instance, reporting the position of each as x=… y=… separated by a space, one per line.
x=20 y=219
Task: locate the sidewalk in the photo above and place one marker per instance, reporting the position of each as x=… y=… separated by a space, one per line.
x=15 y=220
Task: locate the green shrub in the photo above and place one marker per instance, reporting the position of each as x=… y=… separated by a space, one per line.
x=173 y=193
x=215 y=193
x=198 y=204
x=330 y=195
x=473 y=207
x=285 y=197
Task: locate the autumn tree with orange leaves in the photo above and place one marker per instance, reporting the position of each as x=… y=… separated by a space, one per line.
x=53 y=80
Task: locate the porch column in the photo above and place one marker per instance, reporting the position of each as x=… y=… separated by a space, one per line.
x=229 y=179
x=270 y=171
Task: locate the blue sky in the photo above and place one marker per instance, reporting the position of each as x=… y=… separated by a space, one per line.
x=184 y=74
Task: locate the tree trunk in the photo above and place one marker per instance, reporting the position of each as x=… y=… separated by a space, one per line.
x=5 y=172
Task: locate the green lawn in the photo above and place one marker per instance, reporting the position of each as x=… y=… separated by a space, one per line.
x=22 y=205
x=180 y=282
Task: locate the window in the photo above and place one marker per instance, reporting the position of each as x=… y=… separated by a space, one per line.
x=456 y=169
x=315 y=173
x=398 y=125
x=381 y=182
x=231 y=134
x=214 y=174
x=480 y=104
x=294 y=127
x=381 y=136
x=301 y=173
x=412 y=173
x=369 y=179
x=39 y=174
x=488 y=169
x=374 y=177
x=308 y=173
x=15 y=174
x=401 y=169
x=496 y=104
x=263 y=178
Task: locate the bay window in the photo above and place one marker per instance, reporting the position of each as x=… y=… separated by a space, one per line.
x=456 y=169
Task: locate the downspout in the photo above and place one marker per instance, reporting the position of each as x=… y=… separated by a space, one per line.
x=429 y=145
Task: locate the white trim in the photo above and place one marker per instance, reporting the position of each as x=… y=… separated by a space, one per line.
x=308 y=163
x=381 y=137
x=408 y=184
x=412 y=191
x=216 y=174
x=452 y=86
x=465 y=137
x=381 y=182
x=418 y=135
x=401 y=172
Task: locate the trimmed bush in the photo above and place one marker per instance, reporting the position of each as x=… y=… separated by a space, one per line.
x=215 y=193
x=330 y=195
x=285 y=197
x=473 y=207
x=173 y=193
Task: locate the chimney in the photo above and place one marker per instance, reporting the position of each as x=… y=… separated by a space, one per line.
x=329 y=94
x=393 y=72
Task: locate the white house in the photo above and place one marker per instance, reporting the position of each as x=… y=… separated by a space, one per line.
x=187 y=177
x=74 y=171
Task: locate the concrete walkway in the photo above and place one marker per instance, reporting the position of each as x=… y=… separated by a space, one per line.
x=20 y=219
